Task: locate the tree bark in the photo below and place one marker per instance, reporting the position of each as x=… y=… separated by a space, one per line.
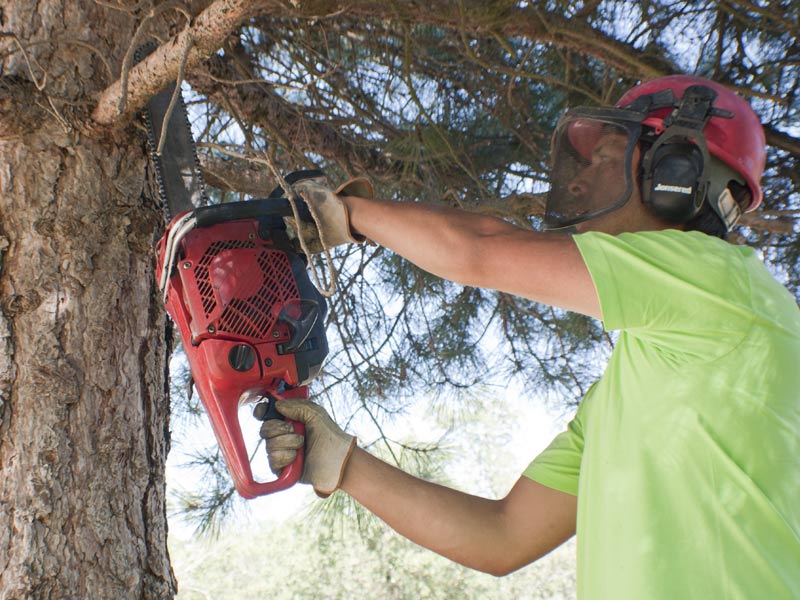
x=83 y=404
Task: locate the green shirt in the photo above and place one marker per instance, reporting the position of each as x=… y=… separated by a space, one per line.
x=685 y=455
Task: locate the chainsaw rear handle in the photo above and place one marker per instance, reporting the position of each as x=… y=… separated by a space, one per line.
x=225 y=423
x=291 y=473
x=266 y=411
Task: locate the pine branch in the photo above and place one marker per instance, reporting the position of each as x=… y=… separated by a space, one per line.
x=259 y=105
x=205 y=34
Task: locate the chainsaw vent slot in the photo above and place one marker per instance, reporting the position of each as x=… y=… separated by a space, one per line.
x=201 y=274
x=252 y=317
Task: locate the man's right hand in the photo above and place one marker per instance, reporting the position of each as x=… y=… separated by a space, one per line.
x=328 y=448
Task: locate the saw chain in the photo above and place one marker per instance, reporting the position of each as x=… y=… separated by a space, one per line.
x=177 y=168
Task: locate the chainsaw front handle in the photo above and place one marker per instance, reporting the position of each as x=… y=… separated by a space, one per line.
x=208 y=216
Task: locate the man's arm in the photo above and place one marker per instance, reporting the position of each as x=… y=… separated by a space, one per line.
x=495 y=536
x=480 y=251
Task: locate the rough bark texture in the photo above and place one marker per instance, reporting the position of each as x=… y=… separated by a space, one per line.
x=83 y=407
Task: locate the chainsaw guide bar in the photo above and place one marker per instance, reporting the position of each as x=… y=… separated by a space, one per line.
x=180 y=182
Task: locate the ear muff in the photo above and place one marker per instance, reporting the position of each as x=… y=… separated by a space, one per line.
x=674 y=181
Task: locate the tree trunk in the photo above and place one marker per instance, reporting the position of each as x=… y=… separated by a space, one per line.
x=83 y=405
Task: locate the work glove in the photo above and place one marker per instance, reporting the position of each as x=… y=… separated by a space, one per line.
x=331 y=226
x=328 y=448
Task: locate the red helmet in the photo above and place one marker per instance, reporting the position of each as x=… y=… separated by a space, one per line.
x=738 y=142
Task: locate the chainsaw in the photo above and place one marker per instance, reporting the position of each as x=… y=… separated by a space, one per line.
x=251 y=323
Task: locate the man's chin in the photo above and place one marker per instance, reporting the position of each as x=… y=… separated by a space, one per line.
x=606 y=223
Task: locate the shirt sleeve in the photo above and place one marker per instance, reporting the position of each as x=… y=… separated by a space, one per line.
x=559 y=465
x=665 y=285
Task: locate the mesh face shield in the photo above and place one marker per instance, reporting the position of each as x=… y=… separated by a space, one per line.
x=592 y=153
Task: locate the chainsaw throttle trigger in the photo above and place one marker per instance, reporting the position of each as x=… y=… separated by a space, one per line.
x=266 y=410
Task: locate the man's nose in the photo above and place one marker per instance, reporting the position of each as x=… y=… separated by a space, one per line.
x=579 y=186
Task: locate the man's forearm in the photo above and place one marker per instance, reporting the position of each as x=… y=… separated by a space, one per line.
x=443 y=241
x=495 y=536
x=464 y=528
x=480 y=251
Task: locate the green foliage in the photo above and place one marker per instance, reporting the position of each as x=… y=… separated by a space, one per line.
x=303 y=561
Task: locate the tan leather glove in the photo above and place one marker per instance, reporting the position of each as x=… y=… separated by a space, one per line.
x=332 y=226
x=328 y=448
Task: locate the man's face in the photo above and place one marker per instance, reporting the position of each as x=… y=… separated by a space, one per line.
x=601 y=181
x=594 y=179
x=591 y=171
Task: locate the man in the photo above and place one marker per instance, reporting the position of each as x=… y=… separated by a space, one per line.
x=681 y=469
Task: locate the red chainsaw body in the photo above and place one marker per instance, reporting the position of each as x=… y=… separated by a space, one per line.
x=234 y=296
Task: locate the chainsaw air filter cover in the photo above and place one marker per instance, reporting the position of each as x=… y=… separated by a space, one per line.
x=251 y=322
